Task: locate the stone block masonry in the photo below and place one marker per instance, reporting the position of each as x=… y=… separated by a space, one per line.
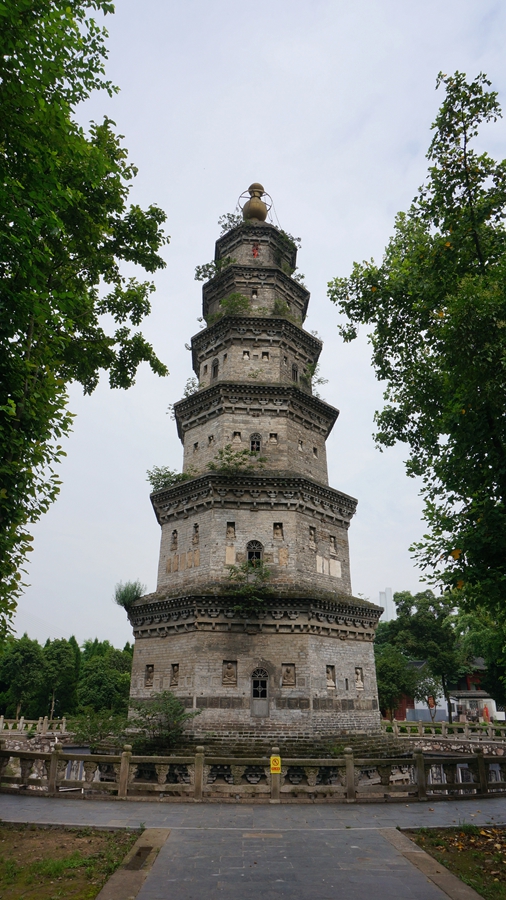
x=296 y=658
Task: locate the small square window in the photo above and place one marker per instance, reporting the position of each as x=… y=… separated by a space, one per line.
x=224 y=357
x=254 y=294
x=245 y=354
x=285 y=360
x=315 y=452
x=265 y=354
x=273 y=438
x=205 y=370
x=236 y=437
x=277 y=531
x=312 y=535
x=210 y=439
x=301 y=445
x=195 y=446
x=333 y=544
x=231 y=531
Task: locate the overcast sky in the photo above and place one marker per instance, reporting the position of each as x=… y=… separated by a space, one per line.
x=328 y=104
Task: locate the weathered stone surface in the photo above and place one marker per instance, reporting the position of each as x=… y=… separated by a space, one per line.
x=262 y=674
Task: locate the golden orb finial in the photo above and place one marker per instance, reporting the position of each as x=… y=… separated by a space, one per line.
x=255 y=208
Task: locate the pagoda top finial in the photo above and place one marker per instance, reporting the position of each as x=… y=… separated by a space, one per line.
x=255 y=208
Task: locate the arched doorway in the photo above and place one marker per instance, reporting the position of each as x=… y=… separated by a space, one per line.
x=260 y=693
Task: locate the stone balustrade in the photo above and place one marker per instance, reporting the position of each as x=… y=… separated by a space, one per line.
x=198 y=777
x=42 y=725
x=457 y=730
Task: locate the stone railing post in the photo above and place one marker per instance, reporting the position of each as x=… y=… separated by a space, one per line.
x=482 y=771
x=63 y=726
x=52 y=785
x=420 y=774
x=2 y=723
x=444 y=730
x=275 y=776
x=420 y=729
x=21 y=724
x=124 y=771
x=199 y=775
x=350 y=775
x=44 y=725
x=396 y=728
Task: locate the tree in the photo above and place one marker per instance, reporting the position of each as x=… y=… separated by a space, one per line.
x=21 y=671
x=484 y=635
x=424 y=629
x=394 y=676
x=437 y=308
x=161 y=721
x=65 y=230
x=103 y=687
x=90 y=727
x=60 y=679
x=428 y=689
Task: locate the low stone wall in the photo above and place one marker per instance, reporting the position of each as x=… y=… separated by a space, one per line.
x=199 y=777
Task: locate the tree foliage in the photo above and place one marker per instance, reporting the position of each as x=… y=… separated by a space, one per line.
x=160 y=721
x=236 y=462
x=65 y=229
x=394 y=676
x=125 y=594
x=21 y=673
x=249 y=585
x=424 y=630
x=437 y=308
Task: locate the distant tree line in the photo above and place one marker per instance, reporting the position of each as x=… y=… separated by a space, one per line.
x=60 y=678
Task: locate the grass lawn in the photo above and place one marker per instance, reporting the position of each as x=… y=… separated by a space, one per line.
x=477 y=855
x=56 y=863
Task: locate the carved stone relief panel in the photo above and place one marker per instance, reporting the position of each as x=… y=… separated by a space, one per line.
x=229 y=675
x=288 y=675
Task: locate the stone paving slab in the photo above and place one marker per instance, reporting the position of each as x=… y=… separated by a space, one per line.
x=308 y=865
x=305 y=852
x=123 y=814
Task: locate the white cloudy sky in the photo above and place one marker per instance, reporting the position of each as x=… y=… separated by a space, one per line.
x=329 y=104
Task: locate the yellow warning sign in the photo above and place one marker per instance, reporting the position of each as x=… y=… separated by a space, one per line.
x=276 y=765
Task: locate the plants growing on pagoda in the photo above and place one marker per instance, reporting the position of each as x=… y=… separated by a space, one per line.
x=126 y=594
x=248 y=585
x=228 y=221
x=235 y=304
x=236 y=462
x=161 y=477
x=211 y=269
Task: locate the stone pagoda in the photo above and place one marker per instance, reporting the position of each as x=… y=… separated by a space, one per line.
x=253 y=621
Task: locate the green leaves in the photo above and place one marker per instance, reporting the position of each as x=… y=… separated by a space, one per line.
x=436 y=306
x=65 y=231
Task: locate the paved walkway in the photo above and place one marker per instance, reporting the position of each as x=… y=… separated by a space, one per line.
x=305 y=852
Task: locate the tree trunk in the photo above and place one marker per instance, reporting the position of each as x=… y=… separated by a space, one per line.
x=447 y=698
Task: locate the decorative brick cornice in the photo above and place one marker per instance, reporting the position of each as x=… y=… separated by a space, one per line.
x=266 y=490
x=270 y=399
x=346 y=618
